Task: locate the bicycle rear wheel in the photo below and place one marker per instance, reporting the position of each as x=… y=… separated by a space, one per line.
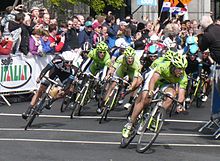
x=151 y=130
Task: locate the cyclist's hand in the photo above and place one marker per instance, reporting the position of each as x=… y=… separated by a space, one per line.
x=38 y=80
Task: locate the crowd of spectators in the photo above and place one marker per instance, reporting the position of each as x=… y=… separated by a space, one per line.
x=36 y=33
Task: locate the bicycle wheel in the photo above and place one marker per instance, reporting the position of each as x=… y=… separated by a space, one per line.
x=104 y=114
x=109 y=104
x=67 y=100
x=32 y=117
x=35 y=112
x=65 y=103
x=199 y=95
x=76 y=110
x=152 y=127
x=126 y=141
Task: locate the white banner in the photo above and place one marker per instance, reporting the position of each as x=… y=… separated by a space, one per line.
x=20 y=73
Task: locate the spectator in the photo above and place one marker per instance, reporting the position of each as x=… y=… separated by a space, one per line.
x=25 y=34
x=5 y=45
x=35 y=46
x=105 y=33
x=86 y=35
x=112 y=30
x=47 y=47
x=76 y=24
x=97 y=27
x=211 y=37
x=14 y=28
x=82 y=21
x=46 y=21
x=122 y=27
x=56 y=40
x=131 y=24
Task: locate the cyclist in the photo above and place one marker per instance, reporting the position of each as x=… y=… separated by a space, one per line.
x=98 y=60
x=121 y=45
x=207 y=66
x=60 y=67
x=149 y=57
x=85 y=49
x=126 y=64
x=164 y=75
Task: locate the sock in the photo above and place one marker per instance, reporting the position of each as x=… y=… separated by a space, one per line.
x=131 y=99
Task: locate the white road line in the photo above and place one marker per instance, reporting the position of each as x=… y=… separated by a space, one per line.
x=97 y=117
x=99 y=132
x=105 y=143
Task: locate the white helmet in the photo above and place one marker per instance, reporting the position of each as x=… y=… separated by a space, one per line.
x=169 y=43
x=119 y=42
x=154 y=37
x=68 y=55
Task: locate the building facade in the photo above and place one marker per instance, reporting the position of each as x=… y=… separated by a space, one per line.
x=196 y=9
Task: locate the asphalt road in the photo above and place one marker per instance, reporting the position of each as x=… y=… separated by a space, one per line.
x=56 y=137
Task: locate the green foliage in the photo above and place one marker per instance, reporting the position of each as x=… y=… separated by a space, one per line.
x=97 y=5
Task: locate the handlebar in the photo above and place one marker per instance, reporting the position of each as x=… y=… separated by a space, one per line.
x=53 y=81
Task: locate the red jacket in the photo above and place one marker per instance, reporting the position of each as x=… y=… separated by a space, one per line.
x=59 y=45
x=5 y=47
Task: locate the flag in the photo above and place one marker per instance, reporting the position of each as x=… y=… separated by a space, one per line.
x=166 y=6
x=178 y=10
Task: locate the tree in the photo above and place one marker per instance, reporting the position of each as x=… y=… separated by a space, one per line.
x=97 y=5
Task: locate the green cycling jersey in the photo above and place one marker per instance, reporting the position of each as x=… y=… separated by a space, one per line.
x=163 y=68
x=98 y=64
x=123 y=69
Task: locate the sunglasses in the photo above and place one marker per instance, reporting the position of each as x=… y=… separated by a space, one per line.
x=68 y=62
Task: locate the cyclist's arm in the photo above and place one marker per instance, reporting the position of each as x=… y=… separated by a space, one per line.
x=46 y=69
x=68 y=82
x=153 y=80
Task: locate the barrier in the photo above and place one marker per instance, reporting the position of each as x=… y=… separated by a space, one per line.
x=19 y=73
x=214 y=122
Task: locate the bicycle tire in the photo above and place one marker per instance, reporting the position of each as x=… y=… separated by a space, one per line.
x=65 y=103
x=198 y=96
x=76 y=110
x=36 y=112
x=103 y=115
x=145 y=140
x=126 y=141
x=30 y=121
x=108 y=106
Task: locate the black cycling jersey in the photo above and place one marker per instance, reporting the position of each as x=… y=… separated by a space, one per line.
x=58 y=70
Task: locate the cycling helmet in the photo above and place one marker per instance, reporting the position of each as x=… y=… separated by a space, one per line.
x=169 y=55
x=152 y=50
x=99 y=39
x=86 y=47
x=154 y=37
x=190 y=40
x=193 y=49
x=119 y=41
x=129 y=52
x=68 y=56
x=179 y=61
x=102 y=46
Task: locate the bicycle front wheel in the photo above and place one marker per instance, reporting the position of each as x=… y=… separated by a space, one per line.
x=151 y=129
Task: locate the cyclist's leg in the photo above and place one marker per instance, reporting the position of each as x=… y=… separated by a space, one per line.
x=172 y=92
x=134 y=92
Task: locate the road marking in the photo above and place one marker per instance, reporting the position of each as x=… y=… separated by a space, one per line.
x=105 y=143
x=97 y=117
x=99 y=132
